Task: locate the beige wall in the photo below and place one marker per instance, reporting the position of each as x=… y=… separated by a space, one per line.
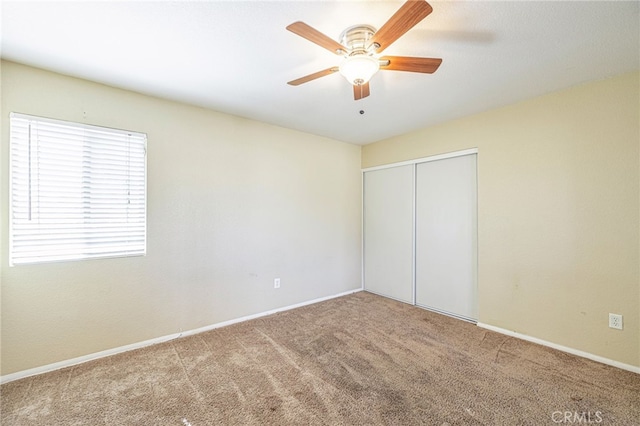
x=558 y=212
x=232 y=204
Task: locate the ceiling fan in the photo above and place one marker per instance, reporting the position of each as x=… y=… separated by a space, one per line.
x=361 y=45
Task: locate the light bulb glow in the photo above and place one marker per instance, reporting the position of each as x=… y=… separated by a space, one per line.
x=359 y=69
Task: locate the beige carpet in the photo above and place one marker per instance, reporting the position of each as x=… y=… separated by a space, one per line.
x=356 y=360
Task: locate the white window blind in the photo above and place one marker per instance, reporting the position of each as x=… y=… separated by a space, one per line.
x=77 y=191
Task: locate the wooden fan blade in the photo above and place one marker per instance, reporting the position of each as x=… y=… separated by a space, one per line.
x=409 y=14
x=315 y=36
x=313 y=76
x=409 y=63
x=360 y=91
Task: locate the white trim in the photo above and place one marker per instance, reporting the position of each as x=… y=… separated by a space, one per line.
x=414 y=228
x=85 y=358
x=82 y=359
x=572 y=351
x=262 y=314
x=424 y=159
x=362 y=226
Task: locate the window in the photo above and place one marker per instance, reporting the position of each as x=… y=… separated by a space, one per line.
x=77 y=191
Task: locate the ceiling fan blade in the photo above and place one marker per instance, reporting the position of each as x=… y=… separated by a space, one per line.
x=315 y=36
x=360 y=91
x=410 y=63
x=313 y=76
x=405 y=18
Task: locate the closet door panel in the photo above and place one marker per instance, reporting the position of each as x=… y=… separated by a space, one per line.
x=446 y=236
x=388 y=232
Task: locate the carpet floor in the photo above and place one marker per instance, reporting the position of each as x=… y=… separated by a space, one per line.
x=356 y=360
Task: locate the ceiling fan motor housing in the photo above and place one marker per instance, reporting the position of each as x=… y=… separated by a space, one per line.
x=356 y=38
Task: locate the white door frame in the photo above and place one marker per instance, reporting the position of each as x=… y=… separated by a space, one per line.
x=414 y=162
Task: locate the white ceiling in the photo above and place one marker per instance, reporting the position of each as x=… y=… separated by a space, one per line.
x=236 y=56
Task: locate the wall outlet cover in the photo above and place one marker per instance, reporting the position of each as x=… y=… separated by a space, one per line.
x=615 y=321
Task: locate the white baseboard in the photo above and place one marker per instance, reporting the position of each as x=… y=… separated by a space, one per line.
x=79 y=360
x=572 y=351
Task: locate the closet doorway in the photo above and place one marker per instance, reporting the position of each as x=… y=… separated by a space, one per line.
x=420 y=233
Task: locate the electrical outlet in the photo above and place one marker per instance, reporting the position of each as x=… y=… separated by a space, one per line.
x=615 y=321
x=276 y=283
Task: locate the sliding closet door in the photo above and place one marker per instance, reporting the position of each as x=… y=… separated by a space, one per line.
x=388 y=232
x=446 y=236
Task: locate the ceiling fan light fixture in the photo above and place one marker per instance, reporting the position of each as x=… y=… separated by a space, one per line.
x=359 y=69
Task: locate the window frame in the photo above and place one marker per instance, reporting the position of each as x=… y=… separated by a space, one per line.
x=127 y=234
